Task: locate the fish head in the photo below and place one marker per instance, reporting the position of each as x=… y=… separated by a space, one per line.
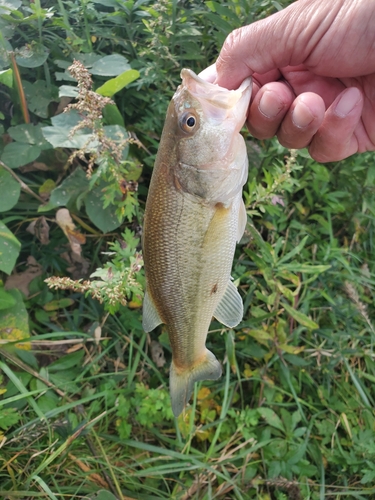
x=209 y=148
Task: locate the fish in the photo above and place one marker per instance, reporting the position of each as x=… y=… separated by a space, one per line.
x=194 y=216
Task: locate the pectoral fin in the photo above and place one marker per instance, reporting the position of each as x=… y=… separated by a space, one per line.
x=242 y=221
x=150 y=316
x=230 y=309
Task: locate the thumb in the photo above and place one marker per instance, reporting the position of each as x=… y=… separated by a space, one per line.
x=284 y=39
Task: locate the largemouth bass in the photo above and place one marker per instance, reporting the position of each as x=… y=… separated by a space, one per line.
x=194 y=217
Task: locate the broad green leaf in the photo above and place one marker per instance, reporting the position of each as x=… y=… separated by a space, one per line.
x=59 y=134
x=119 y=135
x=32 y=55
x=39 y=95
x=7 y=5
x=18 y=154
x=14 y=321
x=10 y=190
x=103 y=218
x=6 y=77
x=74 y=185
x=9 y=249
x=301 y=318
x=112 y=115
x=112 y=65
x=271 y=418
x=68 y=91
x=28 y=133
x=6 y=299
x=116 y=84
x=87 y=59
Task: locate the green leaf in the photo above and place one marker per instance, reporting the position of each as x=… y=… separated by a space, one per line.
x=29 y=134
x=119 y=135
x=301 y=318
x=68 y=91
x=6 y=47
x=368 y=477
x=305 y=268
x=39 y=95
x=10 y=190
x=14 y=321
x=73 y=186
x=103 y=495
x=32 y=55
x=116 y=84
x=8 y=417
x=59 y=134
x=112 y=115
x=296 y=250
x=103 y=218
x=54 y=305
x=6 y=299
x=271 y=418
x=260 y=335
x=7 y=5
x=18 y=154
x=6 y=77
x=69 y=361
x=112 y=65
x=9 y=249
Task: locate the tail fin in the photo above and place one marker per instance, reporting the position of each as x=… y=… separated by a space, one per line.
x=181 y=384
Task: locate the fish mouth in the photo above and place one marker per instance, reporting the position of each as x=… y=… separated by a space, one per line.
x=217 y=101
x=201 y=89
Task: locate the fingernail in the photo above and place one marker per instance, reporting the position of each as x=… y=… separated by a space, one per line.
x=302 y=115
x=347 y=102
x=270 y=105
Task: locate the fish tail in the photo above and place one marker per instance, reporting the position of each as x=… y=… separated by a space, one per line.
x=181 y=383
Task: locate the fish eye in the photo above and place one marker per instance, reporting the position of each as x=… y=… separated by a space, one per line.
x=188 y=122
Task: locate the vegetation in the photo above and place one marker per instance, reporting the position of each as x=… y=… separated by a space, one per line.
x=84 y=408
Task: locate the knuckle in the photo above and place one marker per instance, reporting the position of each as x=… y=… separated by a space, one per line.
x=228 y=50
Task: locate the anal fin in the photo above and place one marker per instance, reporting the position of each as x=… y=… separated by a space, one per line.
x=150 y=316
x=230 y=309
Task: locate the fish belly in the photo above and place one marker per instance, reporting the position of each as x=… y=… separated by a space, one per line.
x=188 y=250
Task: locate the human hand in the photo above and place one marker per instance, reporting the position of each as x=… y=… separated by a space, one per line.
x=313 y=68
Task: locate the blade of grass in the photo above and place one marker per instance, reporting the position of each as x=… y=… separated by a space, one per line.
x=63 y=447
x=22 y=389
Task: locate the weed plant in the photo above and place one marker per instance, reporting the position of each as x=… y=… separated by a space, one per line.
x=84 y=409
